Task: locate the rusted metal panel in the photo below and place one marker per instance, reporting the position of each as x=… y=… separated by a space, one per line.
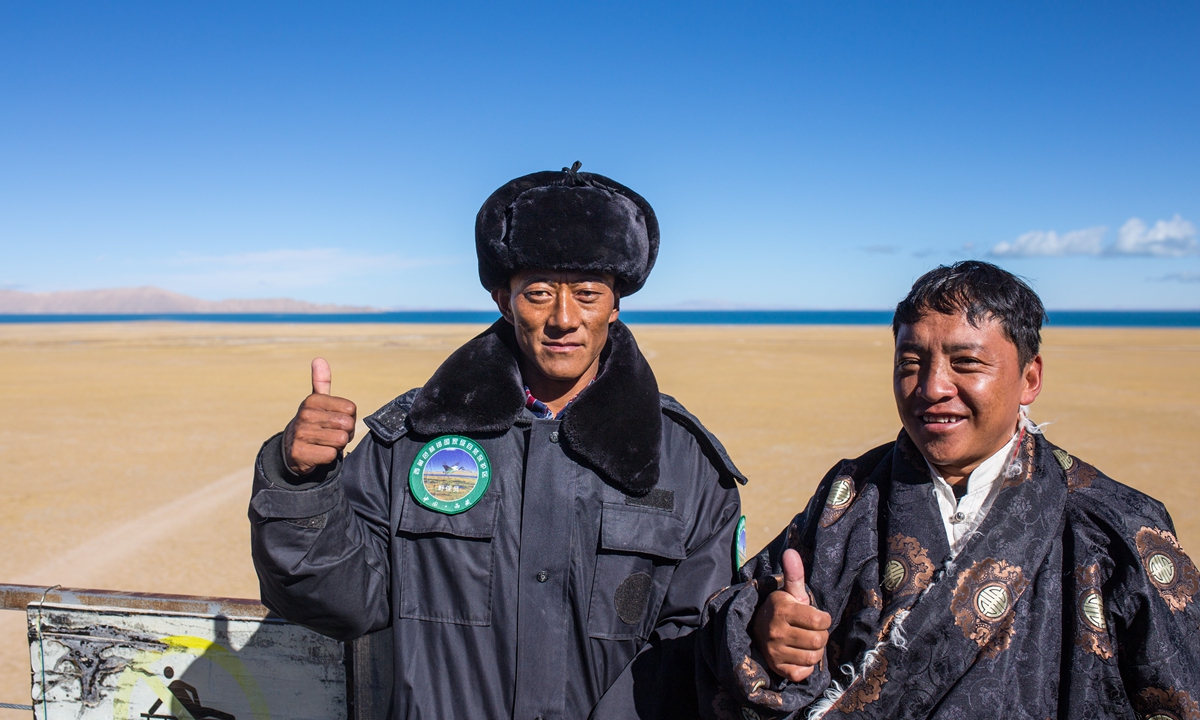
x=17 y=597
x=132 y=663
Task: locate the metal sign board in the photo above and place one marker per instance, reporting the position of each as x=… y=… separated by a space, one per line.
x=119 y=663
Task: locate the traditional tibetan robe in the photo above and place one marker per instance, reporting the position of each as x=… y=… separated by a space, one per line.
x=1072 y=599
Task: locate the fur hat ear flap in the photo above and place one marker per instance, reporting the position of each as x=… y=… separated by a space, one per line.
x=566 y=220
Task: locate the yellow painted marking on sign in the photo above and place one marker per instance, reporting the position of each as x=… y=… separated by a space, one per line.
x=139 y=670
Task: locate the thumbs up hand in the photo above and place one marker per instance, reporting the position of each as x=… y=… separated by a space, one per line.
x=323 y=426
x=788 y=631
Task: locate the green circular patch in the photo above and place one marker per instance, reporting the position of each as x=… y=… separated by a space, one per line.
x=450 y=474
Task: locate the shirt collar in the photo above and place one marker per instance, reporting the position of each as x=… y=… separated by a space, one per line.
x=541 y=410
x=986 y=474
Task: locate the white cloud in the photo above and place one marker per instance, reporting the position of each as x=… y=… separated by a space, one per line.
x=1047 y=243
x=1183 y=277
x=1167 y=238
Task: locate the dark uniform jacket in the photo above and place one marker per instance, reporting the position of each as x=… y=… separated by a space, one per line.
x=568 y=590
x=1073 y=600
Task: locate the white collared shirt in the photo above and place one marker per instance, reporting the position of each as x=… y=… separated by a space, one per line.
x=962 y=516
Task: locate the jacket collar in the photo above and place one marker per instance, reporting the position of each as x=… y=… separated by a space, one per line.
x=614 y=425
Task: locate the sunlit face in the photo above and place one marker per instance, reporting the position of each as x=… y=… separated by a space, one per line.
x=959 y=389
x=561 y=319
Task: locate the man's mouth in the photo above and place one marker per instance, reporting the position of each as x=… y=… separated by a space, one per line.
x=561 y=347
x=942 y=421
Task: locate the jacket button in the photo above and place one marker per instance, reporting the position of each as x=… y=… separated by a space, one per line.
x=542 y=576
x=554 y=436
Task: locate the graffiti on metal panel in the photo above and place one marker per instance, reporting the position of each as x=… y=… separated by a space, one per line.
x=175 y=699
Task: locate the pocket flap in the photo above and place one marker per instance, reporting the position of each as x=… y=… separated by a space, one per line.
x=629 y=528
x=479 y=522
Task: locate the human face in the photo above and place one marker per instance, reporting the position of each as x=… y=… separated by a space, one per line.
x=561 y=320
x=959 y=389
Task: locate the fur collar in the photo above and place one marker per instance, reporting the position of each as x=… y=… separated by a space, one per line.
x=614 y=425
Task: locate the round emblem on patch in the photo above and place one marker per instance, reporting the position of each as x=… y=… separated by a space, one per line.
x=840 y=493
x=992 y=601
x=450 y=474
x=1092 y=608
x=1162 y=569
x=1161 y=716
x=893 y=574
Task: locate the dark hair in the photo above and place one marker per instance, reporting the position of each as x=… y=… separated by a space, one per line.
x=982 y=291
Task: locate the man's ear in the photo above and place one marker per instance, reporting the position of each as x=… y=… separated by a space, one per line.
x=503 y=299
x=616 y=311
x=1033 y=380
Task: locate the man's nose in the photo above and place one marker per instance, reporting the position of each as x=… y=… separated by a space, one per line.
x=936 y=383
x=566 y=315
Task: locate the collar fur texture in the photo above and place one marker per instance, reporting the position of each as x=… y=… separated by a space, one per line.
x=613 y=426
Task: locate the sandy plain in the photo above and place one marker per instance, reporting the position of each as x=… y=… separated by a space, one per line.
x=125 y=449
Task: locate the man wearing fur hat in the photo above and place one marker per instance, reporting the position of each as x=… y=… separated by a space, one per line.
x=970 y=569
x=537 y=525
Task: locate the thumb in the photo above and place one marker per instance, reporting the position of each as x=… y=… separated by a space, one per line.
x=322 y=377
x=793 y=576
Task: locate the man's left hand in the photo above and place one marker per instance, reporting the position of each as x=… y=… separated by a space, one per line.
x=788 y=631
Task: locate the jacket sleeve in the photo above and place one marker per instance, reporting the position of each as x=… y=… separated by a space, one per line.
x=660 y=680
x=730 y=672
x=321 y=550
x=1154 y=600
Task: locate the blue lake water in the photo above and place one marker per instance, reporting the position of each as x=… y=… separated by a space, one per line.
x=1058 y=318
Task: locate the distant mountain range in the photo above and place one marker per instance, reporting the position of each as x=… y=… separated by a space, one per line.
x=150 y=301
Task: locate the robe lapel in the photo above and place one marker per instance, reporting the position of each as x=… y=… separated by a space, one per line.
x=968 y=609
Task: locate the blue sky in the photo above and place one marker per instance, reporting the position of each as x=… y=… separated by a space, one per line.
x=799 y=155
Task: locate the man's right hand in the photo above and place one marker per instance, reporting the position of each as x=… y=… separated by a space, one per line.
x=323 y=426
x=788 y=631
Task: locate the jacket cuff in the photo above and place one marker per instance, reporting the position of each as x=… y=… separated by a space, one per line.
x=736 y=665
x=272 y=464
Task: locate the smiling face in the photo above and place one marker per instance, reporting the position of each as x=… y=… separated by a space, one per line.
x=959 y=389
x=561 y=320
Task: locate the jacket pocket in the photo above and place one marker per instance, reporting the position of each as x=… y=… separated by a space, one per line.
x=447 y=563
x=639 y=549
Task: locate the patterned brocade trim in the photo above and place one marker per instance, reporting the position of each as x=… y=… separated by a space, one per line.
x=1079 y=474
x=908 y=570
x=1166 y=704
x=1092 y=634
x=866 y=688
x=753 y=677
x=983 y=603
x=841 y=495
x=1169 y=569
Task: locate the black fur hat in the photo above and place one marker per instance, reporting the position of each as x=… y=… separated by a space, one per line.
x=567 y=220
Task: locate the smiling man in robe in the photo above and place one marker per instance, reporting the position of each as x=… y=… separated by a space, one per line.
x=970 y=569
